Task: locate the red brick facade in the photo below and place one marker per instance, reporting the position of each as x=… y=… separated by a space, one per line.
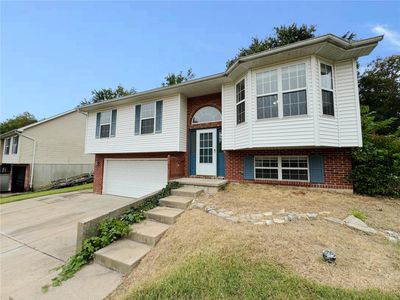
x=193 y=105
x=175 y=165
x=337 y=166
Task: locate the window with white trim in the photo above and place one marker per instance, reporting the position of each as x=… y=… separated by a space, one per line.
x=281 y=168
x=7 y=144
x=267 y=94
x=240 y=102
x=294 y=90
x=147 y=118
x=14 y=149
x=105 y=124
x=266 y=168
x=327 y=90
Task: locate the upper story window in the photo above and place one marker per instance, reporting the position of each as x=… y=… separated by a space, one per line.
x=14 y=149
x=240 y=102
x=267 y=94
x=148 y=117
x=206 y=114
x=7 y=143
x=294 y=90
x=106 y=122
x=327 y=90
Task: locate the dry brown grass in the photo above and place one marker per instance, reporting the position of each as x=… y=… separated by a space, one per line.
x=363 y=261
x=381 y=213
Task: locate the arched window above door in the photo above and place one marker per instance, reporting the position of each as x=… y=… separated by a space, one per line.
x=206 y=114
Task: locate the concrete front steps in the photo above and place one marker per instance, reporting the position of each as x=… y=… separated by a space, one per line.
x=208 y=185
x=125 y=254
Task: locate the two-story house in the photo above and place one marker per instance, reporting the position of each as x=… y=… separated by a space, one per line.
x=286 y=116
x=47 y=150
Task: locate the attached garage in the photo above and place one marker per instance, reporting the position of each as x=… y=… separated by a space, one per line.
x=134 y=177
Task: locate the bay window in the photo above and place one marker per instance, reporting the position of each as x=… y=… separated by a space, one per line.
x=240 y=102
x=294 y=90
x=267 y=94
x=7 y=144
x=14 y=149
x=327 y=90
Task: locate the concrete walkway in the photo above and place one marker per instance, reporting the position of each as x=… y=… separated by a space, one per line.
x=38 y=235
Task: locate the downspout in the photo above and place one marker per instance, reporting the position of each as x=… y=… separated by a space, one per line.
x=33 y=158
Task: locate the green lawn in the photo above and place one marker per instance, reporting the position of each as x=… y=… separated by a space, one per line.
x=29 y=195
x=234 y=276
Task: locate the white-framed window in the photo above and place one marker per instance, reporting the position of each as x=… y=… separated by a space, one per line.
x=7 y=143
x=147 y=118
x=294 y=168
x=294 y=90
x=266 y=168
x=240 y=102
x=106 y=122
x=14 y=149
x=267 y=94
x=327 y=90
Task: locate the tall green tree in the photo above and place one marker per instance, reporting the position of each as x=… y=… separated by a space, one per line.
x=379 y=88
x=16 y=122
x=282 y=36
x=107 y=94
x=175 y=78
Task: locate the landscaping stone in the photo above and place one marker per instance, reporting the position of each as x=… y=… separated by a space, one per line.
x=334 y=220
x=312 y=216
x=256 y=216
x=329 y=256
x=281 y=212
x=392 y=236
x=269 y=222
x=324 y=213
x=268 y=213
x=259 y=223
x=233 y=219
x=292 y=217
x=199 y=205
x=355 y=223
x=279 y=221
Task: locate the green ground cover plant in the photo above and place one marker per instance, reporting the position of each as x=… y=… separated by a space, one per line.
x=109 y=230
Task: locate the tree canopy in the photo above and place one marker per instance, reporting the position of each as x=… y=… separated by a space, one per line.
x=107 y=94
x=16 y=122
x=282 y=36
x=379 y=88
x=175 y=78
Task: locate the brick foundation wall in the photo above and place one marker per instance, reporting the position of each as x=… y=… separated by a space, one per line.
x=175 y=165
x=193 y=105
x=337 y=166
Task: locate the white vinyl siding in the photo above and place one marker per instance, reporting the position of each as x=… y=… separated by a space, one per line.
x=126 y=141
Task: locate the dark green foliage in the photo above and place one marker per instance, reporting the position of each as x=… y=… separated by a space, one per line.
x=234 y=276
x=107 y=94
x=175 y=78
x=380 y=90
x=16 y=122
x=109 y=231
x=282 y=36
x=376 y=169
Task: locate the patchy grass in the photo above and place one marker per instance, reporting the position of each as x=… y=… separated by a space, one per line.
x=30 y=195
x=233 y=276
x=259 y=253
x=359 y=214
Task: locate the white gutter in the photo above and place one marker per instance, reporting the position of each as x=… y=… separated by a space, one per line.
x=33 y=158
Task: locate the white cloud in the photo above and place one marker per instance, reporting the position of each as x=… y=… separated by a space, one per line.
x=390 y=35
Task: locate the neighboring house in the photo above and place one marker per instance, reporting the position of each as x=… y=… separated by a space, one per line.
x=286 y=116
x=53 y=148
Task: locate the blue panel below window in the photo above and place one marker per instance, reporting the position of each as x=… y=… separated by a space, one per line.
x=221 y=164
x=316 y=168
x=248 y=167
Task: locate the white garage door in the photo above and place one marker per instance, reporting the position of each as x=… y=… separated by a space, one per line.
x=134 y=178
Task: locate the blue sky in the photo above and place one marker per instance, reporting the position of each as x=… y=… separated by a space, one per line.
x=54 y=53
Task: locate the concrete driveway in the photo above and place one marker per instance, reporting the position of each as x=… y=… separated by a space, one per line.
x=38 y=235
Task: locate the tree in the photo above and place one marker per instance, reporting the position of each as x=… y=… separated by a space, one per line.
x=16 y=122
x=282 y=36
x=379 y=88
x=175 y=78
x=107 y=94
